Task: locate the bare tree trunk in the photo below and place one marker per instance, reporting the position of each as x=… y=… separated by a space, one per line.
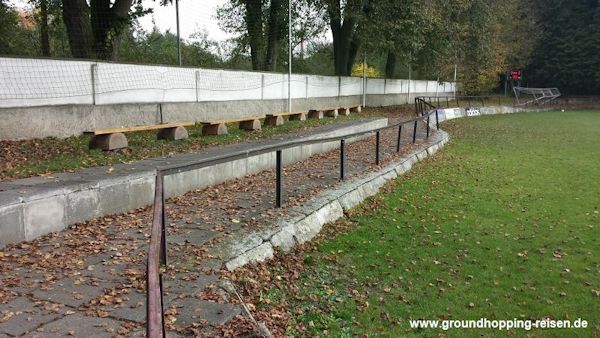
x=107 y=24
x=254 y=23
x=77 y=21
x=352 y=53
x=275 y=34
x=390 y=65
x=343 y=33
x=44 y=35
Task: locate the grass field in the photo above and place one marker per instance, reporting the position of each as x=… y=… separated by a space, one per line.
x=503 y=223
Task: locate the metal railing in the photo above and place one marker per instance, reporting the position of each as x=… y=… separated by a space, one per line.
x=469 y=101
x=157 y=252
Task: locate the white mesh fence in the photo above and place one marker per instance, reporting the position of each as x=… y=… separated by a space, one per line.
x=36 y=82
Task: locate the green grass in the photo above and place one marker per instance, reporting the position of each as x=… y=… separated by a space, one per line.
x=51 y=155
x=502 y=224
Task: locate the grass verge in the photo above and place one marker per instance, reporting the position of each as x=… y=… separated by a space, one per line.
x=504 y=223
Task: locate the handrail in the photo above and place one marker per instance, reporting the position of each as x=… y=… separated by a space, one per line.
x=157 y=252
x=178 y=168
x=154 y=307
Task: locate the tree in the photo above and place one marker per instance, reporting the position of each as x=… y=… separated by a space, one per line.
x=260 y=25
x=344 y=20
x=94 y=28
x=567 y=55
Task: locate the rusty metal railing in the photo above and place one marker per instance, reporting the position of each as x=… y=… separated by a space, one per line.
x=155 y=325
x=157 y=252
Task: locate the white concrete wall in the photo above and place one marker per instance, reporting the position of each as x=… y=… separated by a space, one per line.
x=44 y=82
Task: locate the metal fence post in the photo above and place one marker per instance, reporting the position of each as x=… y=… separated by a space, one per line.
x=437 y=120
x=342 y=160
x=399 y=137
x=262 y=86
x=163 y=240
x=94 y=72
x=429 y=115
x=415 y=132
x=307 y=87
x=197 y=85
x=279 y=179
x=377 y=146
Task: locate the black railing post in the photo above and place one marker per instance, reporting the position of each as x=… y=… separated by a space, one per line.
x=428 y=115
x=415 y=132
x=342 y=161
x=437 y=120
x=447 y=102
x=279 y=179
x=377 y=146
x=163 y=216
x=399 y=137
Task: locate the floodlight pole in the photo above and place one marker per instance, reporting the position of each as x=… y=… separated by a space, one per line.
x=178 y=33
x=409 y=75
x=455 y=73
x=364 y=100
x=289 y=56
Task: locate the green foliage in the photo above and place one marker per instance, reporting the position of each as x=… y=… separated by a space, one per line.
x=371 y=71
x=155 y=47
x=15 y=37
x=568 y=54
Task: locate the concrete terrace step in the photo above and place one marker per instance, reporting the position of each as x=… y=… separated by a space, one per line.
x=33 y=207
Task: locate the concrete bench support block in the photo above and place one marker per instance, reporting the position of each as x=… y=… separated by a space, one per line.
x=331 y=113
x=357 y=109
x=274 y=121
x=250 y=125
x=315 y=114
x=344 y=111
x=214 y=129
x=173 y=134
x=109 y=141
x=298 y=117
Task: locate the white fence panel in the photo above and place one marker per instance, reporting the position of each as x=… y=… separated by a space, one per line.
x=119 y=83
x=375 y=86
x=420 y=87
x=323 y=86
x=394 y=86
x=222 y=85
x=299 y=88
x=350 y=86
x=37 y=82
x=275 y=87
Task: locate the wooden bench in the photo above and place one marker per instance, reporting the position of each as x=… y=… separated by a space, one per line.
x=333 y=111
x=219 y=127
x=114 y=138
x=319 y=113
x=354 y=109
x=276 y=119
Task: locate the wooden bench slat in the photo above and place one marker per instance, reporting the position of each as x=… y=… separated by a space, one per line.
x=141 y=128
x=286 y=113
x=240 y=119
